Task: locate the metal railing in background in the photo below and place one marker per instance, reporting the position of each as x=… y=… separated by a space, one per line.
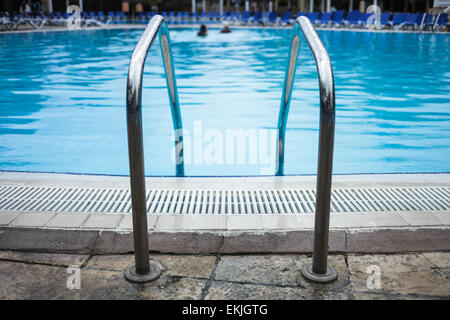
x=144 y=270
x=318 y=271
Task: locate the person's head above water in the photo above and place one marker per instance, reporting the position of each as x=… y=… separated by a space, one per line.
x=203 y=32
x=225 y=29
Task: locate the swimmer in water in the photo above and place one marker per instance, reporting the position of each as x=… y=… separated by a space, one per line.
x=203 y=32
x=225 y=29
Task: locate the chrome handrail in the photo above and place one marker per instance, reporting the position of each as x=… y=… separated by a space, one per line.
x=319 y=270
x=143 y=269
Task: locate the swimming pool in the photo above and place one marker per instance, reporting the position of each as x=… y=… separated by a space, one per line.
x=62 y=100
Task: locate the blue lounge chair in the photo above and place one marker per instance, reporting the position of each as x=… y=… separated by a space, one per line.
x=186 y=17
x=384 y=19
x=364 y=18
x=178 y=17
x=273 y=17
x=286 y=18
x=426 y=20
x=101 y=16
x=441 y=21
x=338 y=17
x=172 y=17
x=265 y=19
x=413 y=20
x=194 y=17
x=257 y=18
x=111 y=16
x=121 y=17
x=209 y=16
x=300 y=14
x=224 y=16
x=312 y=16
x=140 y=18
x=353 y=18
x=398 y=20
x=325 y=19
x=245 y=17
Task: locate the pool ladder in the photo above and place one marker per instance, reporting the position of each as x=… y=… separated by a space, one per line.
x=145 y=270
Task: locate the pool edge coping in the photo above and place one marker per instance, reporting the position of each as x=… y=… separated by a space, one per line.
x=386 y=240
x=237 y=233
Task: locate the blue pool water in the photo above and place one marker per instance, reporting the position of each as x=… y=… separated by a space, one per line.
x=62 y=100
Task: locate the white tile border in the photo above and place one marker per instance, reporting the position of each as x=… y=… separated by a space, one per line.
x=220 y=222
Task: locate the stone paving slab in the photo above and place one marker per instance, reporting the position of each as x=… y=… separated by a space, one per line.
x=411 y=274
x=30 y=275
x=173 y=265
x=56 y=259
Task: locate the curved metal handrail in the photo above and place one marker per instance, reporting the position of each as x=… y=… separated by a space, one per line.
x=326 y=133
x=156 y=26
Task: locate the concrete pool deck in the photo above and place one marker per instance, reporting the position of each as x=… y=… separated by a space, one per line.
x=88 y=213
x=413 y=276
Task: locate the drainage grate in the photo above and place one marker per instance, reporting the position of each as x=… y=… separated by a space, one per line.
x=44 y=199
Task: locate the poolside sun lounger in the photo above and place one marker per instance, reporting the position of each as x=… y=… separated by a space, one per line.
x=245 y=17
x=441 y=21
x=225 y=16
x=338 y=17
x=265 y=19
x=171 y=17
x=325 y=19
x=286 y=18
x=353 y=18
x=209 y=16
x=257 y=18
x=121 y=17
x=364 y=18
x=384 y=19
x=273 y=17
x=101 y=16
x=194 y=17
x=186 y=17
x=111 y=16
x=413 y=20
x=398 y=20
x=312 y=16
x=178 y=18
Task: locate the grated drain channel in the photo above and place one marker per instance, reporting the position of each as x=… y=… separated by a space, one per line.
x=44 y=199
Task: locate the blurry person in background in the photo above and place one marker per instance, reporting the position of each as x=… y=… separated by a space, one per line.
x=203 y=31
x=27 y=9
x=22 y=7
x=225 y=29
